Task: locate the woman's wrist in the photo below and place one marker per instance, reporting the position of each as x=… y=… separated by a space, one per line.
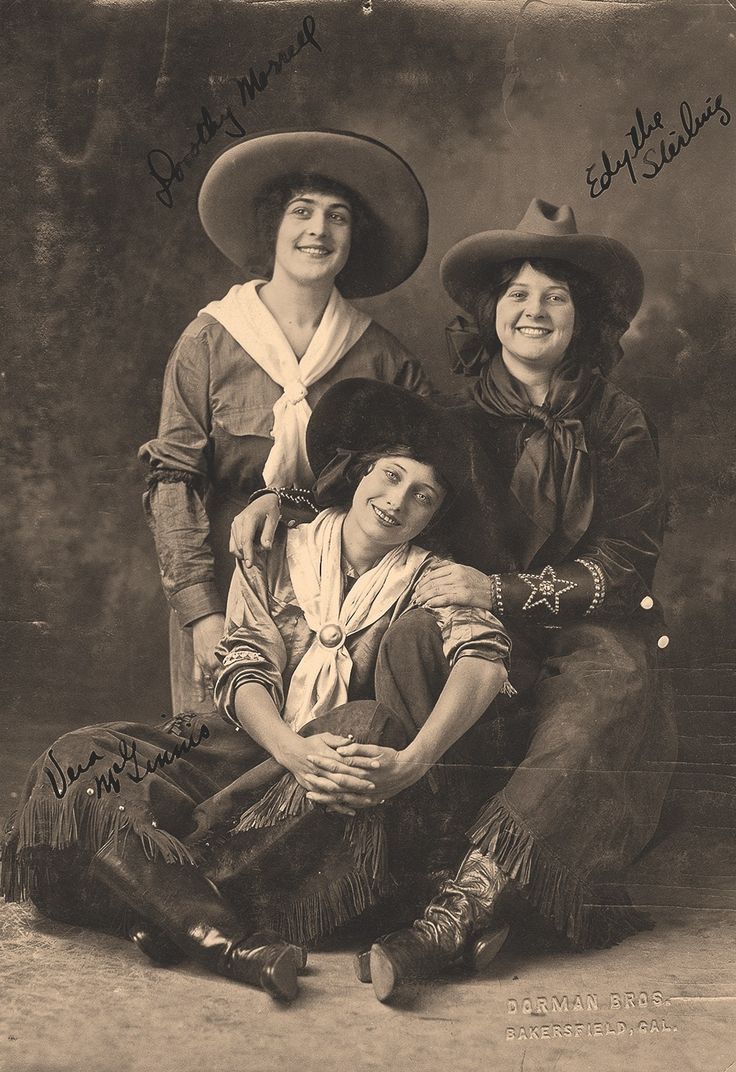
x=261 y=493
x=286 y=748
x=415 y=761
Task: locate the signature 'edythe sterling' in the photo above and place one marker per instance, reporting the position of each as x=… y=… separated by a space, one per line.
x=655 y=158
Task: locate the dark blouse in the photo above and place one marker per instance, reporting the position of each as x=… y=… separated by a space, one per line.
x=610 y=571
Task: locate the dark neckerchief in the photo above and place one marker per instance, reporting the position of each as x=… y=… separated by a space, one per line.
x=553 y=479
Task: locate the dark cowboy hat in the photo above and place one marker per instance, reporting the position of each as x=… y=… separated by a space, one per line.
x=376 y=173
x=358 y=416
x=545 y=231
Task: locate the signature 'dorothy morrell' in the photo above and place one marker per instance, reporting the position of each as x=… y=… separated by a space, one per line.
x=167 y=170
x=660 y=150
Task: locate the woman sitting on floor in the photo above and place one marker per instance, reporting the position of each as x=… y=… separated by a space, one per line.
x=317 y=654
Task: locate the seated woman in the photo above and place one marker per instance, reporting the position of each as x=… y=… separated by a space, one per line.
x=559 y=535
x=322 y=620
x=317 y=653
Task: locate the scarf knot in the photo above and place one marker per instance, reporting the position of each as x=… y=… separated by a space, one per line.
x=244 y=315
x=553 y=480
x=543 y=415
x=295 y=391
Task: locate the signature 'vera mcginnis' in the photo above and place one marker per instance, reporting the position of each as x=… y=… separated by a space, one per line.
x=128 y=763
x=162 y=166
x=657 y=155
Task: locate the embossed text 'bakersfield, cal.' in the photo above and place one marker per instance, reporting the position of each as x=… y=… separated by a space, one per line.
x=643 y=1003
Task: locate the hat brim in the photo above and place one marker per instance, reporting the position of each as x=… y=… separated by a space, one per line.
x=362 y=415
x=467 y=268
x=376 y=173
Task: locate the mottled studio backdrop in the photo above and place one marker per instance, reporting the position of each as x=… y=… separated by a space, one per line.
x=492 y=104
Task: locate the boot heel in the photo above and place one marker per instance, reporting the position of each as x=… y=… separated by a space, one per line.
x=482 y=950
x=362 y=965
x=383 y=972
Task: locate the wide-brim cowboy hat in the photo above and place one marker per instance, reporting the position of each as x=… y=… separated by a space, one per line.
x=384 y=182
x=358 y=416
x=546 y=231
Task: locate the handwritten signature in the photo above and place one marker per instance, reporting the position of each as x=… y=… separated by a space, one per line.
x=135 y=768
x=162 y=166
x=657 y=156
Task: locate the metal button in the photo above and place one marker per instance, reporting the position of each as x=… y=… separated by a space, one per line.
x=331 y=635
x=647 y=603
x=663 y=642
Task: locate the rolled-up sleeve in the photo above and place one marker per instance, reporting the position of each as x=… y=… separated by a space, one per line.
x=252 y=650
x=178 y=461
x=467 y=631
x=470 y=631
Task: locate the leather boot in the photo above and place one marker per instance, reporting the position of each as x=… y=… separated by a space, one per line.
x=462 y=908
x=181 y=902
x=152 y=941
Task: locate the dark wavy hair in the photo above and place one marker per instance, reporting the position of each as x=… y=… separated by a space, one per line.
x=270 y=205
x=600 y=317
x=350 y=469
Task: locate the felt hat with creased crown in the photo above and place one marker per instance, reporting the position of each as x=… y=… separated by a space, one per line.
x=384 y=181
x=547 y=231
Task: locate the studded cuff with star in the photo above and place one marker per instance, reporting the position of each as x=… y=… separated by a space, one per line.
x=553 y=593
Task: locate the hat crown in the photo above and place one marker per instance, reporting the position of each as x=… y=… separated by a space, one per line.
x=544 y=218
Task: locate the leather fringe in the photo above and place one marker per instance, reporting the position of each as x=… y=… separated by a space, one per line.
x=556 y=892
x=284 y=800
x=308 y=919
x=316 y=915
x=94 y=825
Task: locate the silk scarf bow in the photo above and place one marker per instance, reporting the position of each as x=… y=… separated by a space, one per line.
x=553 y=479
x=243 y=314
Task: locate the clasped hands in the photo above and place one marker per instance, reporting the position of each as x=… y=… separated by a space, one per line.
x=346 y=776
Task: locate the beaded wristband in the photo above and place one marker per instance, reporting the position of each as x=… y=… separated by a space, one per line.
x=296 y=498
x=599 y=583
x=496 y=597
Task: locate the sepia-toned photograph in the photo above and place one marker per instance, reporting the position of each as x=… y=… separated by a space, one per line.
x=369 y=676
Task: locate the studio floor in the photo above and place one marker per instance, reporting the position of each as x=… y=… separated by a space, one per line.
x=75 y=1000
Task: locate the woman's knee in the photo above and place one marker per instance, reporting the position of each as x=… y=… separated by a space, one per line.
x=415 y=633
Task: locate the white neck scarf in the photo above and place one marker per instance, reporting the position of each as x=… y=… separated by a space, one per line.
x=251 y=324
x=314 y=555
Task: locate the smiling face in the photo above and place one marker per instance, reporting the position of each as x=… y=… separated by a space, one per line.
x=535 y=318
x=313 y=239
x=394 y=501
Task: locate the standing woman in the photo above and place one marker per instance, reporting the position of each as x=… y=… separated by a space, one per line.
x=315 y=216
